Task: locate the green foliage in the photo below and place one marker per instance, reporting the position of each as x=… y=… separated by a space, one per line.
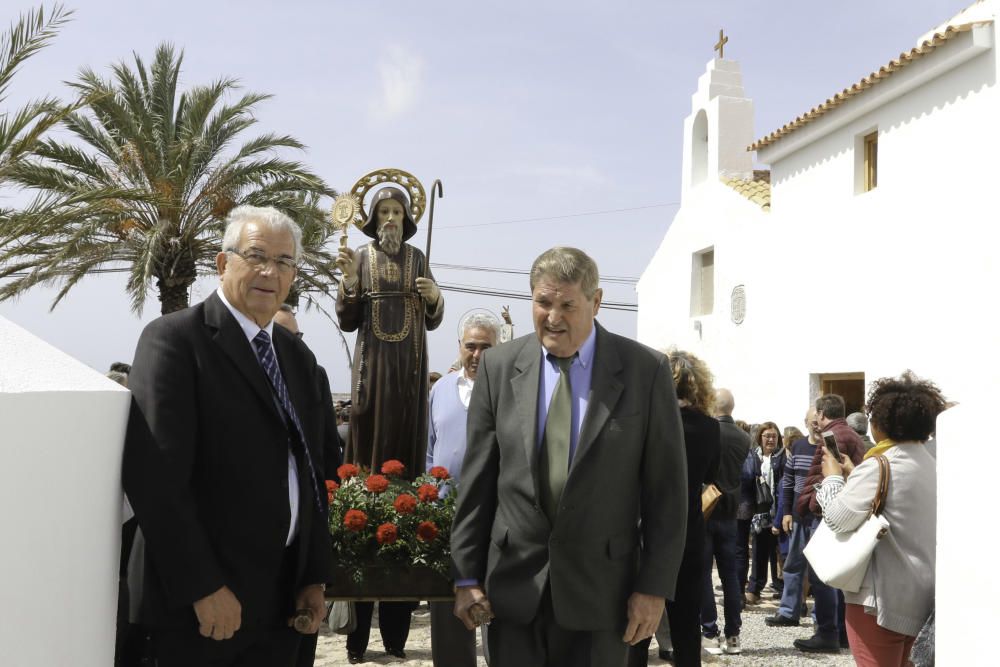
x=146 y=183
x=21 y=128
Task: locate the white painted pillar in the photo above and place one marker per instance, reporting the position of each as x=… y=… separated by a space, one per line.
x=62 y=426
x=967 y=588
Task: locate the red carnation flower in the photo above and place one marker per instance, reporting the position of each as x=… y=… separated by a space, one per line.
x=377 y=483
x=386 y=533
x=329 y=498
x=428 y=493
x=393 y=468
x=331 y=486
x=355 y=520
x=427 y=531
x=347 y=471
x=405 y=503
x=439 y=472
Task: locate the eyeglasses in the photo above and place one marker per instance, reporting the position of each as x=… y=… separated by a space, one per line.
x=259 y=260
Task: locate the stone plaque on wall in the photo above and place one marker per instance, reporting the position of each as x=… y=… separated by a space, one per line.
x=738 y=304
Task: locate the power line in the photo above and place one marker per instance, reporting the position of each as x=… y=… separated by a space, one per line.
x=485 y=291
x=563 y=217
x=521 y=272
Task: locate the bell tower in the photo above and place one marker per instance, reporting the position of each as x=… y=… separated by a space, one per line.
x=719 y=127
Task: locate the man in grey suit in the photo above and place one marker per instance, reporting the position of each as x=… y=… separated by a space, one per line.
x=571 y=516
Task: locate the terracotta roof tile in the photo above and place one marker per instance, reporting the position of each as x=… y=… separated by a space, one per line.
x=867 y=82
x=757 y=189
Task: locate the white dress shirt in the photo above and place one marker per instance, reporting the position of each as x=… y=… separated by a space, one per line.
x=465 y=388
x=250 y=329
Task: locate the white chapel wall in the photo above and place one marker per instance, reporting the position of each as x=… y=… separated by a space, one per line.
x=60 y=505
x=899 y=277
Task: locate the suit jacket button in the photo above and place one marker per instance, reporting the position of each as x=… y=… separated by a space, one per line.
x=537 y=509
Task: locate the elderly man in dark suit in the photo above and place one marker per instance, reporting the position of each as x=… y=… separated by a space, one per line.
x=223 y=463
x=571 y=516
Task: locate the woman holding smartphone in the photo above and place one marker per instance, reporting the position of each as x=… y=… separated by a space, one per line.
x=897 y=594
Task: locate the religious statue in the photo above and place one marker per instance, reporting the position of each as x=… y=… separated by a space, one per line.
x=388 y=295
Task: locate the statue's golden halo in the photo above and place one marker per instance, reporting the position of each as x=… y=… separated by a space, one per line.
x=404 y=180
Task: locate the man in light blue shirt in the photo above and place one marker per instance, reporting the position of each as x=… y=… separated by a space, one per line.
x=452 y=645
x=571 y=514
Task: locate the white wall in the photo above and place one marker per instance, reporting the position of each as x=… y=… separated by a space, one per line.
x=965 y=587
x=63 y=426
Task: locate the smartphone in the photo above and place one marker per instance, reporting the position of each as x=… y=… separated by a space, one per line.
x=831 y=445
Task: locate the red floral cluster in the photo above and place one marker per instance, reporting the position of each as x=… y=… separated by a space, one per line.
x=347 y=471
x=355 y=520
x=377 y=483
x=393 y=468
x=386 y=533
x=405 y=503
x=427 y=493
x=380 y=515
x=439 y=472
x=427 y=531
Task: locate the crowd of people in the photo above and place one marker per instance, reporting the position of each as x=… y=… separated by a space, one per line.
x=598 y=482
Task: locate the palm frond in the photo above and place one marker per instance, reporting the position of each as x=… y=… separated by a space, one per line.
x=32 y=32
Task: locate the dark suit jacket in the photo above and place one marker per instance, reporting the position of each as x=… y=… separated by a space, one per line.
x=703 y=446
x=735 y=447
x=629 y=466
x=206 y=467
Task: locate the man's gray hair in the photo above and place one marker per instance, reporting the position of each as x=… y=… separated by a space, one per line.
x=566 y=265
x=264 y=215
x=481 y=321
x=724 y=402
x=858 y=422
x=117 y=376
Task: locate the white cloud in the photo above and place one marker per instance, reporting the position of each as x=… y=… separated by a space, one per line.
x=400 y=75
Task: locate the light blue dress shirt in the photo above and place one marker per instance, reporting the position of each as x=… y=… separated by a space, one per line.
x=580 y=373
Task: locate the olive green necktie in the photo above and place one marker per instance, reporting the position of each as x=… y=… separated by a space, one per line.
x=556 y=440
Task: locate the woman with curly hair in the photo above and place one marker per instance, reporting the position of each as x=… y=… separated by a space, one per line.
x=703 y=445
x=897 y=593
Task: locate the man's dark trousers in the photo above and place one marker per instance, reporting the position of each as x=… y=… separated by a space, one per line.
x=828 y=603
x=720 y=546
x=452 y=645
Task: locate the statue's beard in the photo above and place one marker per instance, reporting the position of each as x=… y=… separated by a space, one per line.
x=390 y=239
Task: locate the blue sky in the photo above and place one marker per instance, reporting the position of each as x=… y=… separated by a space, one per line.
x=524 y=110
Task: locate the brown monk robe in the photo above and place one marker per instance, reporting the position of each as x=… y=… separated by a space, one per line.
x=384 y=297
x=391 y=307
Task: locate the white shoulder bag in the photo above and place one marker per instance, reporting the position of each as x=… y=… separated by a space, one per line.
x=841 y=559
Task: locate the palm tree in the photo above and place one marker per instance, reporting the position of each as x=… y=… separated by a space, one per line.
x=20 y=129
x=147 y=184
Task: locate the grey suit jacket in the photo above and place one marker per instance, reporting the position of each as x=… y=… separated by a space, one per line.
x=622 y=517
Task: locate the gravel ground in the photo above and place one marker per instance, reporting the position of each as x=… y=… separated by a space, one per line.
x=762 y=645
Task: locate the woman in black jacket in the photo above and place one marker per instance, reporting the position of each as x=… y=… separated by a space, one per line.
x=703 y=445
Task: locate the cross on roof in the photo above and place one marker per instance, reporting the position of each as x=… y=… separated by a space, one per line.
x=720 y=44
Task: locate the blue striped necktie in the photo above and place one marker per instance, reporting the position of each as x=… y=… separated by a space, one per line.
x=262 y=345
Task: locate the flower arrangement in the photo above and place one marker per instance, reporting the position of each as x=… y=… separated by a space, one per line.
x=383 y=519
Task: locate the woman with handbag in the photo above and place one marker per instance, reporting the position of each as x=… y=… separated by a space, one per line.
x=897 y=480
x=703 y=446
x=767 y=467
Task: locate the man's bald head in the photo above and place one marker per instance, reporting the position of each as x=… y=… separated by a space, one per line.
x=724 y=403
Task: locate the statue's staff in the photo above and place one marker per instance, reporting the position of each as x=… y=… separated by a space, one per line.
x=436 y=190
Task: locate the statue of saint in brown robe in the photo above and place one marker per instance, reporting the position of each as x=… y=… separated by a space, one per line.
x=385 y=298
